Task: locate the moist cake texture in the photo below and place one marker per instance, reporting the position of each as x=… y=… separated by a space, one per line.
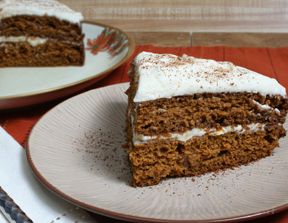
x=40 y=33
x=188 y=116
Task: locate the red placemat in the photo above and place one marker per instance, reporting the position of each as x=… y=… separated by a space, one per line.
x=272 y=62
x=268 y=61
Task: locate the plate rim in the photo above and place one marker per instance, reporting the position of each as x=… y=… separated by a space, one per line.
x=131 y=48
x=119 y=215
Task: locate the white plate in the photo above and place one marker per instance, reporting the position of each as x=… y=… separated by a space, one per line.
x=24 y=86
x=75 y=150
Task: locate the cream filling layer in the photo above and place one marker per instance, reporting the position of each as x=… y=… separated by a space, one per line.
x=254 y=127
x=266 y=107
x=33 y=41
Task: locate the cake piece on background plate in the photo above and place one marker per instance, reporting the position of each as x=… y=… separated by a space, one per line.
x=40 y=33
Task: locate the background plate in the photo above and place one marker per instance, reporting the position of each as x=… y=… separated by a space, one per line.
x=31 y=85
x=75 y=150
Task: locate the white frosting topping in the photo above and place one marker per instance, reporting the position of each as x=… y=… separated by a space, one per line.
x=167 y=75
x=9 y=8
x=254 y=127
x=33 y=41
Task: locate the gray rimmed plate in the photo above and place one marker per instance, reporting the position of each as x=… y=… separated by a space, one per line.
x=75 y=151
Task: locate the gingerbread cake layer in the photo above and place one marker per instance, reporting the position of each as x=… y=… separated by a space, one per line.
x=188 y=116
x=182 y=113
x=40 y=33
x=52 y=53
x=155 y=160
x=43 y=26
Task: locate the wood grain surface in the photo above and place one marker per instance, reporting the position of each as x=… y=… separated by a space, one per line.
x=240 y=39
x=162 y=38
x=211 y=39
x=252 y=23
x=187 y=15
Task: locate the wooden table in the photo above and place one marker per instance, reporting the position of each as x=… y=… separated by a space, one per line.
x=175 y=39
x=161 y=30
x=184 y=23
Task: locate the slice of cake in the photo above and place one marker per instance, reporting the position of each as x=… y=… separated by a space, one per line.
x=188 y=116
x=39 y=33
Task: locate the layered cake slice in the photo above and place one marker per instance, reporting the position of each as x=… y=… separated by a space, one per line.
x=189 y=116
x=40 y=33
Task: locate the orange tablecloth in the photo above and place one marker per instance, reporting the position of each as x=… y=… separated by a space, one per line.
x=272 y=62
